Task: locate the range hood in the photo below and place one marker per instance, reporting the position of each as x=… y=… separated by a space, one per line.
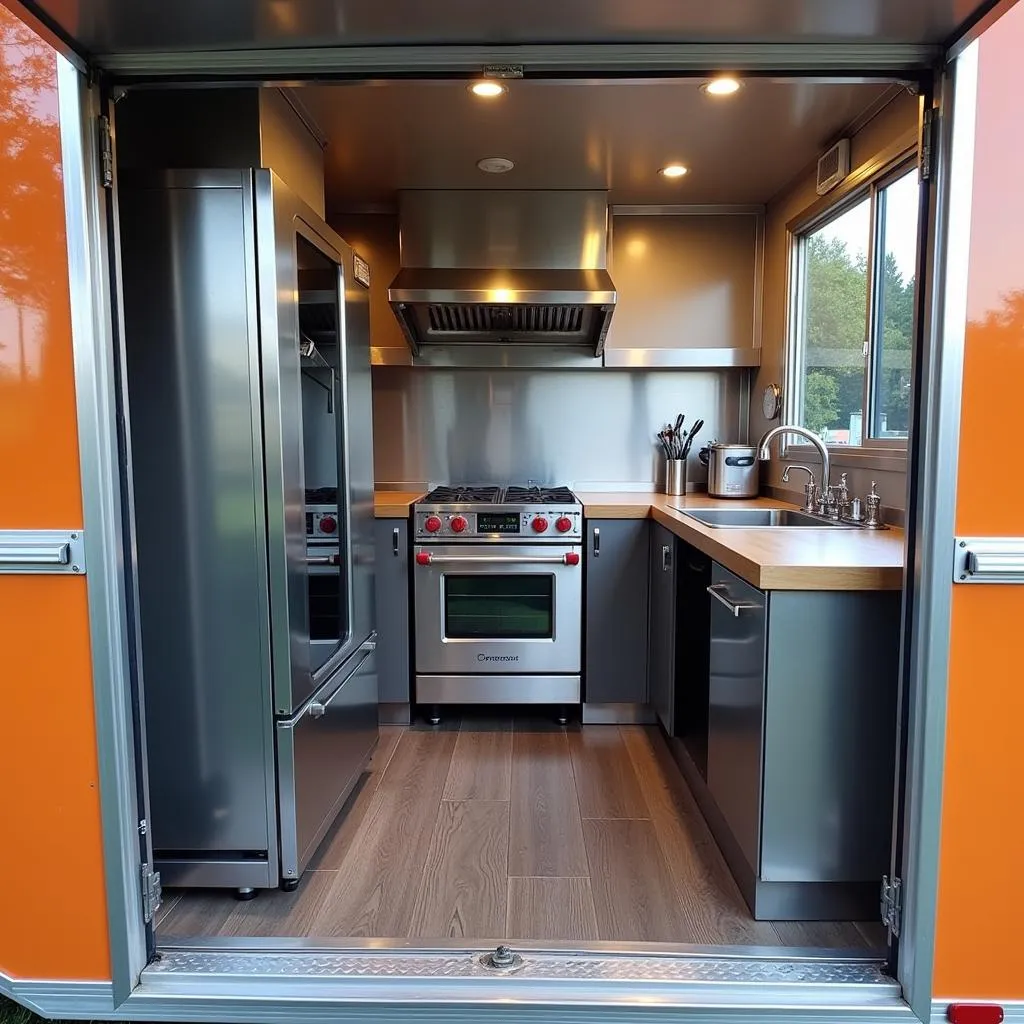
x=509 y=268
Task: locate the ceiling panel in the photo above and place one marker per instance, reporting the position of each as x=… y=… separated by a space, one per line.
x=112 y=26
x=742 y=149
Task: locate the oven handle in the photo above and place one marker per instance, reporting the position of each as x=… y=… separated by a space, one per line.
x=427 y=558
x=323 y=559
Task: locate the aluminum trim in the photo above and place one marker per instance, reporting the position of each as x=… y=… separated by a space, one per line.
x=42 y=552
x=988 y=560
x=1013 y=1009
x=941 y=381
x=60 y=999
x=695 y=358
x=95 y=389
x=869 y=61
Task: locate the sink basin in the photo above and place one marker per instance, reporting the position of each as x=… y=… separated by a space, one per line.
x=758 y=518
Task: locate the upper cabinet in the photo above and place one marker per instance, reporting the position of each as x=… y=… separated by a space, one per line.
x=689 y=286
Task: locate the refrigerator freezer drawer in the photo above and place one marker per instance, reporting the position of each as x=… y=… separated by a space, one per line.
x=321 y=754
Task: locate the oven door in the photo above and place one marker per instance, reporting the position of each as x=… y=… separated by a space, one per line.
x=498 y=609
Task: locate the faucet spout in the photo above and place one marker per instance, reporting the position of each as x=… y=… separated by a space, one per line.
x=764 y=449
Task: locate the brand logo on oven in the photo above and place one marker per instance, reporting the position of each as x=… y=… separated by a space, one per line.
x=497 y=657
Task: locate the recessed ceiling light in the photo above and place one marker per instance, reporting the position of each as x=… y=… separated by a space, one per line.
x=674 y=171
x=495 y=164
x=488 y=89
x=724 y=86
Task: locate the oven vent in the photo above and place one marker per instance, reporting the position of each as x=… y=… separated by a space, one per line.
x=833 y=166
x=463 y=318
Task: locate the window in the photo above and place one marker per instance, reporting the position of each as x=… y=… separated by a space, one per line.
x=854 y=317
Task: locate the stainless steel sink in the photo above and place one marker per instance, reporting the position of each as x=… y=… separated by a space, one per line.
x=758 y=518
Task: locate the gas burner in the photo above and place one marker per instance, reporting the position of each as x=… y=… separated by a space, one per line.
x=322 y=496
x=541 y=495
x=462 y=495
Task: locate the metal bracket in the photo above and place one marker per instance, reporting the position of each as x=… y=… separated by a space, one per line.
x=30 y=552
x=152 y=892
x=988 y=560
x=892 y=904
x=927 y=144
x=106 y=152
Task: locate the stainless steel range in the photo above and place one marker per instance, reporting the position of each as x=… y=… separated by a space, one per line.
x=498 y=586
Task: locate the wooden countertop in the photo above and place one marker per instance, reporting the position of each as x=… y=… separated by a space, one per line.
x=394 y=504
x=779 y=559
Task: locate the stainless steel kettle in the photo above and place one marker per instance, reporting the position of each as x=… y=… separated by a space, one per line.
x=732 y=470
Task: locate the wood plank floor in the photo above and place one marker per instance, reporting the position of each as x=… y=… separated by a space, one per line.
x=492 y=829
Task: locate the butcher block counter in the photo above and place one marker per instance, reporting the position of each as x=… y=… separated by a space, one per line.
x=394 y=504
x=772 y=558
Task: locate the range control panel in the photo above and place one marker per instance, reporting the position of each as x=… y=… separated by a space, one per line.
x=498 y=524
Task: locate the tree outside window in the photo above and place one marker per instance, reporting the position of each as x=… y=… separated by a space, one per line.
x=855 y=335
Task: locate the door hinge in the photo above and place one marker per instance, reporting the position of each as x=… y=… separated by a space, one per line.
x=927 y=144
x=106 y=152
x=892 y=904
x=152 y=893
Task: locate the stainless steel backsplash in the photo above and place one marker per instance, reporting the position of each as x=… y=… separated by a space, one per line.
x=590 y=429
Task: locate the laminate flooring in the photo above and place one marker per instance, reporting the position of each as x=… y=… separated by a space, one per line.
x=493 y=829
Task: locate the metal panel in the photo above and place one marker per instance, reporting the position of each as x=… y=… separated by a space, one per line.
x=498 y=689
x=594 y=431
x=683 y=358
x=661 y=658
x=192 y=347
x=393 y=610
x=736 y=710
x=684 y=280
x=42 y=551
x=321 y=752
x=617 y=580
x=281 y=217
x=830 y=737
x=499 y=229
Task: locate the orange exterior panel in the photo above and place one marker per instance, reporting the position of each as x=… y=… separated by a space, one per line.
x=52 y=903
x=979 y=951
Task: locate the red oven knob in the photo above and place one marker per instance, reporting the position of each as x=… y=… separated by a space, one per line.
x=539 y=524
x=432 y=524
x=563 y=524
x=328 y=524
x=572 y=558
x=423 y=558
x=459 y=523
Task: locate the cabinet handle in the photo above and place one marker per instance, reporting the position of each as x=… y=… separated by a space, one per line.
x=666 y=557
x=597 y=541
x=394 y=541
x=715 y=590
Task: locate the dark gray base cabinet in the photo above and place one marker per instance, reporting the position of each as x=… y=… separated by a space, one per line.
x=392 y=544
x=615 y=644
x=661 y=644
x=801 y=745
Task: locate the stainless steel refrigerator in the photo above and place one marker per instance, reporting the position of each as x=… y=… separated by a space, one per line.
x=246 y=341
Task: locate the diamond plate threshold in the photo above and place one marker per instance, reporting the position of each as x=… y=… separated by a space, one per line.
x=393 y=975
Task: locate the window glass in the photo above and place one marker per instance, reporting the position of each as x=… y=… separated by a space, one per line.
x=499 y=607
x=894 y=319
x=834 y=326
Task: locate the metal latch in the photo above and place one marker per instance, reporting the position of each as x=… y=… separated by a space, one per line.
x=152 y=892
x=892 y=904
x=988 y=560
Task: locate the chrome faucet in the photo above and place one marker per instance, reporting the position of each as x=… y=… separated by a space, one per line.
x=810 y=496
x=764 y=452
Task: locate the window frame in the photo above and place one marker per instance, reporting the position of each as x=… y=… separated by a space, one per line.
x=891 y=450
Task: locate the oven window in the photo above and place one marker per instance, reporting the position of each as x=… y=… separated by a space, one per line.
x=499 y=607
x=324 y=606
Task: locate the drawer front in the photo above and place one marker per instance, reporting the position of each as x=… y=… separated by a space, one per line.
x=321 y=754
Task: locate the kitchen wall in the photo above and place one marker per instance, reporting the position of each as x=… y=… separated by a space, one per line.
x=591 y=429
x=892 y=129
